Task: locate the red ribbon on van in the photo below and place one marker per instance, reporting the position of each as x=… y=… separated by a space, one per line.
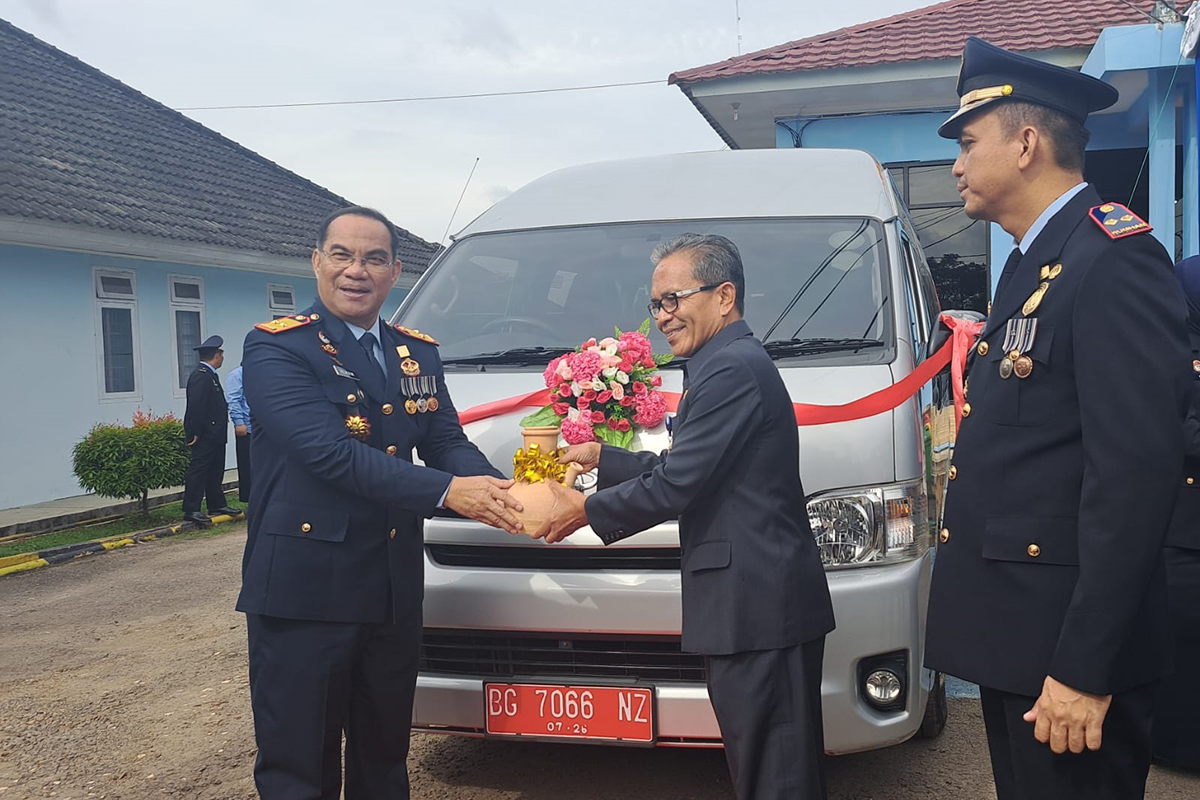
x=954 y=352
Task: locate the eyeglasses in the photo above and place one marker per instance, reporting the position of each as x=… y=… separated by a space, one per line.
x=669 y=302
x=341 y=258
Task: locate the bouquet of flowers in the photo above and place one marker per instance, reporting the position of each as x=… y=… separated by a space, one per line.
x=604 y=390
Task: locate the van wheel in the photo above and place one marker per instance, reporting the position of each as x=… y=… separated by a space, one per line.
x=936 y=710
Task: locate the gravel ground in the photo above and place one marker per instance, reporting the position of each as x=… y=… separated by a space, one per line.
x=124 y=676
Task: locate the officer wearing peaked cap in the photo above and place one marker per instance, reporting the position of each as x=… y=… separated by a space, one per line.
x=206 y=429
x=1048 y=587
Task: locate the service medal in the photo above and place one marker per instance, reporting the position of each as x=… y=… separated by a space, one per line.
x=1196 y=366
x=1006 y=368
x=1035 y=299
x=410 y=406
x=1023 y=367
x=432 y=404
x=422 y=405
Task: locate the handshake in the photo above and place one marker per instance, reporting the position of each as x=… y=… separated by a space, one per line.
x=548 y=510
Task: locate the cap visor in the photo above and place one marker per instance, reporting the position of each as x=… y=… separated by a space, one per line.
x=953 y=125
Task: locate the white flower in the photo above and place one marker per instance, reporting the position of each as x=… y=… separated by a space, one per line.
x=573 y=414
x=577 y=388
x=622 y=377
x=598 y=385
x=609 y=373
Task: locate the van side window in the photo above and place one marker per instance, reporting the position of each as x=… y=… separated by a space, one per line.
x=917 y=314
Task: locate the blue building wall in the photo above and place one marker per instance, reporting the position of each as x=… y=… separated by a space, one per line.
x=51 y=391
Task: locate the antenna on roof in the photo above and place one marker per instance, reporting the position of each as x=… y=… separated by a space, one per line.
x=459 y=203
x=737 y=10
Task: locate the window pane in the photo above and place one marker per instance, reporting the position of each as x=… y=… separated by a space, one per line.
x=281 y=299
x=187 y=337
x=935 y=184
x=187 y=291
x=805 y=278
x=117 y=326
x=110 y=284
x=956 y=248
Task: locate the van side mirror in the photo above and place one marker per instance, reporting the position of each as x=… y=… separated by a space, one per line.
x=941 y=334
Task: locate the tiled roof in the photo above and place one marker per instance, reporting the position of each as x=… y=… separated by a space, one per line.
x=82 y=148
x=936 y=33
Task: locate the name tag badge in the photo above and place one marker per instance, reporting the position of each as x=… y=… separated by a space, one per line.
x=342 y=372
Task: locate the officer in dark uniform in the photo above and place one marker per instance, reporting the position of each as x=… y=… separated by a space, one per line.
x=755 y=599
x=1177 y=715
x=332 y=577
x=206 y=427
x=1048 y=586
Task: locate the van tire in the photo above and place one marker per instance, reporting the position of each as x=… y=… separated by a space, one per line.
x=936 y=709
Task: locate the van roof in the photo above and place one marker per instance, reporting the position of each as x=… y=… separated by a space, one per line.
x=710 y=185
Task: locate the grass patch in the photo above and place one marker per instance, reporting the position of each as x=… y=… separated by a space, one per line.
x=130 y=523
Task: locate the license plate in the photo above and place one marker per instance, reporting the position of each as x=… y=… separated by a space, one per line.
x=609 y=713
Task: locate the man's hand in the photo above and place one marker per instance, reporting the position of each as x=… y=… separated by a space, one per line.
x=241 y=430
x=485 y=499
x=1068 y=719
x=193 y=441
x=585 y=455
x=569 y=514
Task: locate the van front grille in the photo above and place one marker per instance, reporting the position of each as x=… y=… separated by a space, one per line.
x=503 y=655
x=551 y=558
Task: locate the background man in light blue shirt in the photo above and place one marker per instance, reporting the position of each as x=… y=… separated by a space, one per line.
x=239 y=414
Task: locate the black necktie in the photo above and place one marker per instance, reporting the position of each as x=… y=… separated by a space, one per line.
x=1010 y=266
x=367 y=340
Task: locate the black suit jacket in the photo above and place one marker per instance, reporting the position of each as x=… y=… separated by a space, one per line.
x=337 y=523
x=207 y=413
x=1185 y=522
x=752 y=576
x=1051 y=555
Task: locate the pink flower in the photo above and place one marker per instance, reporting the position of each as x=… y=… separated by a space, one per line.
x=589 y=395
x=637 y=346
x=639 y=387
x=656 y=381
x=585 y=366
x=565 y=390
x=577 y=431
x=651 y=408
x=583 y=403
x=614 y=423
x=560 y=408
x=597 y=417
x=648 y=362
x=627 y=400
x=604 y=396
x=623 y=425
x=550 y=376
x=618 y=391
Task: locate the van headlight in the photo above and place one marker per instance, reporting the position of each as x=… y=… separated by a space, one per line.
x=871 y=525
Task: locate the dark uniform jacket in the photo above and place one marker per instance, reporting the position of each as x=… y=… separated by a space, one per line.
x=206 y=414
x=336 y=533
x=752 y=576
x=1050 y=558
x=1185 y=522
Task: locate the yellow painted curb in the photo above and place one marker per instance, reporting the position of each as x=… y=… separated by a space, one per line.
x=24 y=567
x=112 y=544
x=19 y=558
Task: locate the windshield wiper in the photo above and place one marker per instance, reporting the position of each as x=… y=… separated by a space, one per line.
x=782 y=348
x=517 y=356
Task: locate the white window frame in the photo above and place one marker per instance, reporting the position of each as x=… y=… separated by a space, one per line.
x=104 y=300
x=275 y=310
x=183 y=304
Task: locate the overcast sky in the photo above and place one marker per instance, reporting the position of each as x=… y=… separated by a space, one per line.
x=412 y=159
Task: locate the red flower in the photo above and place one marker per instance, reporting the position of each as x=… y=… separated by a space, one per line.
x=656 y=381
x=639 y=387
x=627 y=400
x=597 y=417
x=623 y=425
x=613 y=423
x=582 y=404
x=648 y=362
x=604 y=396
x=560 y=408
x=589 y=395
x=565 y=390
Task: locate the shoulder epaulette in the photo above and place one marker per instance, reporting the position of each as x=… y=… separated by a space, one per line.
x=1118 y=221
x=284 y=324
x=424 y=337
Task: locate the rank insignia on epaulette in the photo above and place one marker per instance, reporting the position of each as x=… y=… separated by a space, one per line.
x=283 y=324
x=1117 y=221
x=424 y=337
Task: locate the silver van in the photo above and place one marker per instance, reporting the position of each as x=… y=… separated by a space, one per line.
x=578 y=641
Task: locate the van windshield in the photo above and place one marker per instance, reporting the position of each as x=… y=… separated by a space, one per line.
x=818 y=288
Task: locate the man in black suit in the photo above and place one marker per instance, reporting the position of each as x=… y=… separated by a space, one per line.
x=755 y=599
x=1048 y=586
x=206 y=427
x=332 y=578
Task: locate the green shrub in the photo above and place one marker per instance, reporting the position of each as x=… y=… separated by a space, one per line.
x=118 y=461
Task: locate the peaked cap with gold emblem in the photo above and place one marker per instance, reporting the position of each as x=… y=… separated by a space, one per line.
x=990 y=73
